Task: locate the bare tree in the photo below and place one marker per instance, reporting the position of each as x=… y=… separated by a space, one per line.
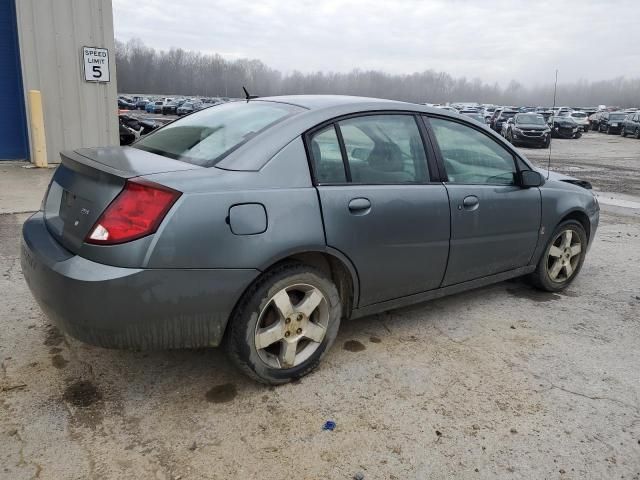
x=143 y=69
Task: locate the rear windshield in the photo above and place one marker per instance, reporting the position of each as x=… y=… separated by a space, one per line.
x=507 y=114
x=579 y=115
x=617 y=116
x=207 y=136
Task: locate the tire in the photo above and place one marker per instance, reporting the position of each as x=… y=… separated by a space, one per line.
x=637 y=135
x=578 y=135
x=547 y=143
x=543 y=277
x=623 y=132
x=257 y=311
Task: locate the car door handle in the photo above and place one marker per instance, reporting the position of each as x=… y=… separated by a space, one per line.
x=471 y=202
x=359 y=206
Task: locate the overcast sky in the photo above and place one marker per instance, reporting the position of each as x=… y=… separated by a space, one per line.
x=493 y=40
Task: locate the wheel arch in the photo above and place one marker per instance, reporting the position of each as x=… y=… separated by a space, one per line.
x=581 y=217
x=334 y=264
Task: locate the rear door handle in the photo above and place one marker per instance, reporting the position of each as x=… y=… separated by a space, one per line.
x=471 y=202
x=359 y=206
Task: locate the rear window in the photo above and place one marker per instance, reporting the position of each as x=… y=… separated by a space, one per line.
x=617 y=116
x=207 y=136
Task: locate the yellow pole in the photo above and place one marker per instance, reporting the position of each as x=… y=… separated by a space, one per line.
x=38 y=137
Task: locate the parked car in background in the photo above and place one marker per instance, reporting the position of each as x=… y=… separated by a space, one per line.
x=169 y=106
x=501 y=118
x=611 y=122
x=581 y=119
x=527 y=129
x=320 y=208
x=565 y=127
x=478 y=117
x=631 y=125
x=126 y=104
x=154 y=107
x=189 y=107
x=141 y=103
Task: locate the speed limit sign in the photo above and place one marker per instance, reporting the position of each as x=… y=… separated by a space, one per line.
x=96 y=64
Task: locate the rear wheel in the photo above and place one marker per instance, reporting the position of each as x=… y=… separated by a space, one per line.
x=563 y=257
x=284 y=324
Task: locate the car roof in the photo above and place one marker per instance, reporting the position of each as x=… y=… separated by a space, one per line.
x=315 y=102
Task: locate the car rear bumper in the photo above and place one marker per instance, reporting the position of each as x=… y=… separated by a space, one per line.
x=116 y=307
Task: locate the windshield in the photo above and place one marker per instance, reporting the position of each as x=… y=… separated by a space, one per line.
x=507 y=114
x=617 y=116
x=207 y=136
x=579 y=115
x=187 y=104
x=530 y=119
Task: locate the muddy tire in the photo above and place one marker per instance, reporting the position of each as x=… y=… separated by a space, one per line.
x=562 y=258
x=284 y=324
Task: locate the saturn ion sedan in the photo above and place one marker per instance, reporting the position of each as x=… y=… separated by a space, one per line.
x=260 y=225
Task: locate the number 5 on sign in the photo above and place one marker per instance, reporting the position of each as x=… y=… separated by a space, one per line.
x=96 y=64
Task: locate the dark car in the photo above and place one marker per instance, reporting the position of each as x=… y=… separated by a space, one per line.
x=631 y=125
x=528 y=129
x=565 y=127
x=125 y=104
x=263 y=224
x=611 y=122
x=501 y=118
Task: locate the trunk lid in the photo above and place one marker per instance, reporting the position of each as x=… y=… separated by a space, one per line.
x=88 y=180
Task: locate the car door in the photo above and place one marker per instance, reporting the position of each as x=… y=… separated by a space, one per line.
x=379 y=206
x=494 y=223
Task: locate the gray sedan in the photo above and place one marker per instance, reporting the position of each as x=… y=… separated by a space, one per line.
x=262 y=224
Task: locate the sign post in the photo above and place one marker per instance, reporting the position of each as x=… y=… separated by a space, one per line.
x=96 y=64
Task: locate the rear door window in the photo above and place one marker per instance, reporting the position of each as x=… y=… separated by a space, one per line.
x=207 y=136
x=380 y=149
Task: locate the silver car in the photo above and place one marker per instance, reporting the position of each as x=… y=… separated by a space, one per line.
x=262 y=224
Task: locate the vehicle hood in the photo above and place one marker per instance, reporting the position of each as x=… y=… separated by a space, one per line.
x=559 y=177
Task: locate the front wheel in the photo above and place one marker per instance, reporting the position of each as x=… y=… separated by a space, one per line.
x=623 y=132
x=284 y=324
x=637 y=135
x=563 y=257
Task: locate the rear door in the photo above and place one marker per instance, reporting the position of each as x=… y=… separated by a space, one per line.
x=379 y=205
x=494 y=222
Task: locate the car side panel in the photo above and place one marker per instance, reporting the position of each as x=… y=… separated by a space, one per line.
x=560 y=199
x=197 y=233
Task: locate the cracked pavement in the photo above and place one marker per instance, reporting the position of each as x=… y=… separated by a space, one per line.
x=500 y=382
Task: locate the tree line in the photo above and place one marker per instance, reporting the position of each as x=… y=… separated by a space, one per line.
x=143 y=69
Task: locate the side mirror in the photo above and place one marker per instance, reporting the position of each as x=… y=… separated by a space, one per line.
x=530 y=179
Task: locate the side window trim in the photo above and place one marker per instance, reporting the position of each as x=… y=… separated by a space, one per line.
x=445 y=178
x=427 y=145
x=343 y=152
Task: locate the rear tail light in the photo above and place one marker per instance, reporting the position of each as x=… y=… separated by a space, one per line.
x=136 y=212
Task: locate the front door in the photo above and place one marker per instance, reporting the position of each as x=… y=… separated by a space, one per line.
x=378 y=205
x=494 y=222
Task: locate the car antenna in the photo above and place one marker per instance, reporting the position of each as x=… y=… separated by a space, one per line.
x=247 y=96
x=555 y=90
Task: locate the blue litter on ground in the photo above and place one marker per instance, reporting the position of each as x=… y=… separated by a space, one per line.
x=329 y=425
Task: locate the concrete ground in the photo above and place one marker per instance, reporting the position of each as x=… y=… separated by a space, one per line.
x=500 y=382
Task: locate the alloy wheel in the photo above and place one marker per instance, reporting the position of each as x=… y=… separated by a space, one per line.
x=564 y=256
x=291 y=326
